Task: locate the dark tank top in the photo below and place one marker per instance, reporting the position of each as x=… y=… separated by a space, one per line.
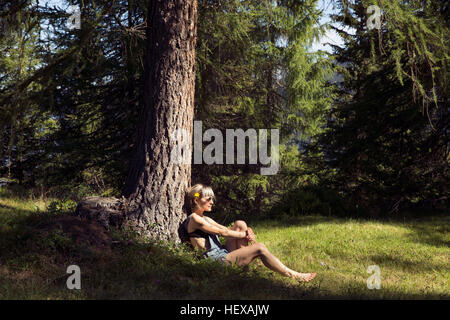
x=212 y=240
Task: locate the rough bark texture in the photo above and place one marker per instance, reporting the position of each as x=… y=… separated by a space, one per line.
x=155 y=187
x=109 y=212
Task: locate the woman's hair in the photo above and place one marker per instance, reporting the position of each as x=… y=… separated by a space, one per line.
x=202 y=190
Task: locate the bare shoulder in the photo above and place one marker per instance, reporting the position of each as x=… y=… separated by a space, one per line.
x=198 y=219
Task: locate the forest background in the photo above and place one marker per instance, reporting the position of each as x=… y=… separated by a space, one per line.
x=364 y=124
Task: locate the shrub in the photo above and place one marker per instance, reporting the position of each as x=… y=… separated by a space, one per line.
x=61 y=206
x=310 y=200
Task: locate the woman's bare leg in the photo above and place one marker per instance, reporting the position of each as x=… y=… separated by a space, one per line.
x=245 y=255
x=232 y=243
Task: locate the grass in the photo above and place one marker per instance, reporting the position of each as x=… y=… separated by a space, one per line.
x=413 y=257
x=36 y=248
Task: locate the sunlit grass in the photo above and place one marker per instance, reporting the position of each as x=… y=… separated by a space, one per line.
x=413 y=257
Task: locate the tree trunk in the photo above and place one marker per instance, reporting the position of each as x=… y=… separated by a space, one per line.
x=155 y=187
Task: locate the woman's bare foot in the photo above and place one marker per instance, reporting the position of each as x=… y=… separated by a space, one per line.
x=304 y=277
x=300 y=277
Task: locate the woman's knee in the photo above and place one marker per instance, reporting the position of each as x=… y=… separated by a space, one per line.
x=240 y=225
x=260 y=248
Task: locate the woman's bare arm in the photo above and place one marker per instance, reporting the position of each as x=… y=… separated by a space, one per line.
x=250 y=234
x=202 y=224
x=208 y=219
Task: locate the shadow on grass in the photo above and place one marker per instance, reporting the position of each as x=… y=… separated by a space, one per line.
x=433 y=232
x=410 y=266
x=25 y=212
x=35 y=254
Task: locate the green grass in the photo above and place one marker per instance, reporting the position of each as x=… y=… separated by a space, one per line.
x=413 y=256
x=35 y=251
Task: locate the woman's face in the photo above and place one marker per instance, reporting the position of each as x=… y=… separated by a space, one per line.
x=205 y=203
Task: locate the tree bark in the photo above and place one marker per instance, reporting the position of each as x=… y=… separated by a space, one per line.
x=155 y=187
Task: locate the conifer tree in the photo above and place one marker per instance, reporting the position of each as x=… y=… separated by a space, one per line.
x=385 y=151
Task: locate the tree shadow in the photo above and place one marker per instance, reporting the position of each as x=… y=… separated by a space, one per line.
x=408 y=265
x=432 y=232
x=12 y=208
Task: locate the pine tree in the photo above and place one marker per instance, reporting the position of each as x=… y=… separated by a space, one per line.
x=21 y=58
x=383 y=148
x=256 y=71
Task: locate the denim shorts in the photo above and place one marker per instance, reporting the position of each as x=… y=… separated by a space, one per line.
x=217 y=254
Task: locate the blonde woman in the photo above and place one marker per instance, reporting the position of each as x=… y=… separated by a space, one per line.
x=203 y=234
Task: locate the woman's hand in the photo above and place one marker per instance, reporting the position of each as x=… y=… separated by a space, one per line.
x=251 y=236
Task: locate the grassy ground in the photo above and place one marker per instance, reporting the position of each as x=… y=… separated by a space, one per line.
x=37 y=247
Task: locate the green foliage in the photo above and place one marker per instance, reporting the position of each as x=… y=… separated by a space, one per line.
x=56 y=240
x=262 y=47
x=311 y=200
x=308 y=92
x=19 y=111
x=57 y=207
x=384 y=152
x=69 y=115
x=419 y=29
x=69 y=101
x=256 y=70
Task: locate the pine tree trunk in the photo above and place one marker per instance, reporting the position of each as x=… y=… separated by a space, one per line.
x=155 y=187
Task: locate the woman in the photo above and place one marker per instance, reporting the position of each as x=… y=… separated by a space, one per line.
x=203 y=233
